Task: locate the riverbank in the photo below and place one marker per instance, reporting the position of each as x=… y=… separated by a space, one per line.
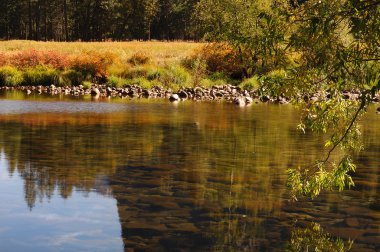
x=226 y=93
x=167 y=70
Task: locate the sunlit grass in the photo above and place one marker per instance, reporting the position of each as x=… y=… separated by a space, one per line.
x=148 y=64
x=159 y=52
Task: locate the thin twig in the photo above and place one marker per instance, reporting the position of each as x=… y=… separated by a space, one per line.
x=362 y=105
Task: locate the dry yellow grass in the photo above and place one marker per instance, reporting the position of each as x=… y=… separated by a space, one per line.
x=159 y=52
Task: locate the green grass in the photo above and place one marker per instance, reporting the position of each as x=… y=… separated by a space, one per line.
x=10 y=76
x=166 y=64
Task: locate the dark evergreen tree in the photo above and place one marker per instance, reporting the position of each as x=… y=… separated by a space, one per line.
x=97 y=20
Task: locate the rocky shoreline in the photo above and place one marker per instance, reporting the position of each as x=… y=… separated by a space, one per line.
x=228 y=93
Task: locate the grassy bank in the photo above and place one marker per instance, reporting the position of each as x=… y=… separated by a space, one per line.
x=114 y=63
x=169 y=65
x=117 y=64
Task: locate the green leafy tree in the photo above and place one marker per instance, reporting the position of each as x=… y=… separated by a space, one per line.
x=332 y=47
x=256 y=29
x=338 y=44
x=150 y=12
x=314 y=238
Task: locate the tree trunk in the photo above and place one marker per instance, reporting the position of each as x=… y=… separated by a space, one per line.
x=37 y=34
x=30 y=32
x=65 y=20
x=45 y=21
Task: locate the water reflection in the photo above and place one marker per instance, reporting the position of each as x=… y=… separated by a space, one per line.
x=314 y=238
x=191 y=176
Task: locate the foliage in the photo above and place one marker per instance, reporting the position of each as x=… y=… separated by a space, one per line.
x=32 y=58
x=254 y=29
x=313 y=53
x=150 y=12
x=218 y=57
x=3 y=59
x=198 y=68
x=335 y=57
x=115 y=81
x=274 y=83
x=41 y=76
x=175 y=75
x=138 y=71
x=71 y=77
x=208 y=83
x=139 y=58
x=10 y=76
x=86 y=84
x=142 y=82
x=97 y=20
x=311 y=182
x=92 y=65
x=314 y=238
x=250 y=84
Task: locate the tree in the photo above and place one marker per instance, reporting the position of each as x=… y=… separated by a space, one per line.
x=256 y=29
x=66 y=27
x=334 y=47
x=150 y=11
x=338 y=42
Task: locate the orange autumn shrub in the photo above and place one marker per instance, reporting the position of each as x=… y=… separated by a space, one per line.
x=219 y=57
x=3 y=59
x=139 y=58
x=92 y=64
x=33 y=58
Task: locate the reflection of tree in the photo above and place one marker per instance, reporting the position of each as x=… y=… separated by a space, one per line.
x=314 y=238
x=181 y=177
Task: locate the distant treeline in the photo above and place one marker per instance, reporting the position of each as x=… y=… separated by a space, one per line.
x=98 y=20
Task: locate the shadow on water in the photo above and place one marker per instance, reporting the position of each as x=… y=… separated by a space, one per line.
x=192 y=177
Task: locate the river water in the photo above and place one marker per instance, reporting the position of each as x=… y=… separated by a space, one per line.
x=79 y=175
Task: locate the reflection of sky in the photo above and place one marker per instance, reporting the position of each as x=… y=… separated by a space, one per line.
x=79 y=223
x=18 y=107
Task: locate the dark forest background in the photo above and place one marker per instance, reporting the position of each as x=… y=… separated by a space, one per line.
x=98 y=20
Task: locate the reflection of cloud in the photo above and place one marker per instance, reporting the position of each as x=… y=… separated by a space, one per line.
x=4 y=229
x=60 y=218
x=75 y=237
x=83 y=239
x=3 y=176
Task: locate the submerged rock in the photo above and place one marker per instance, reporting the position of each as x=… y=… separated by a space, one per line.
x=240 y=101
x=264 y=98
x=174 y=97
x=95 y=92
x=183 y=95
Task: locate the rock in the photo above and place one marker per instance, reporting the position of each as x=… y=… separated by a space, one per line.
x=346 y=95
x=126 y=92
x=174 y=97
x=264 y=98
x=378 y=110
x=240 y=101
x=355 y=96
x=183 y=95
x=282 y=100
x=146 y=93
x=95 y=92
x=248 y=100
x=352 y=222
x=28 y=91
x=109 y=91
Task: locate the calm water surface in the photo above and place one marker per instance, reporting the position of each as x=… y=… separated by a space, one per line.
x=99 y=176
